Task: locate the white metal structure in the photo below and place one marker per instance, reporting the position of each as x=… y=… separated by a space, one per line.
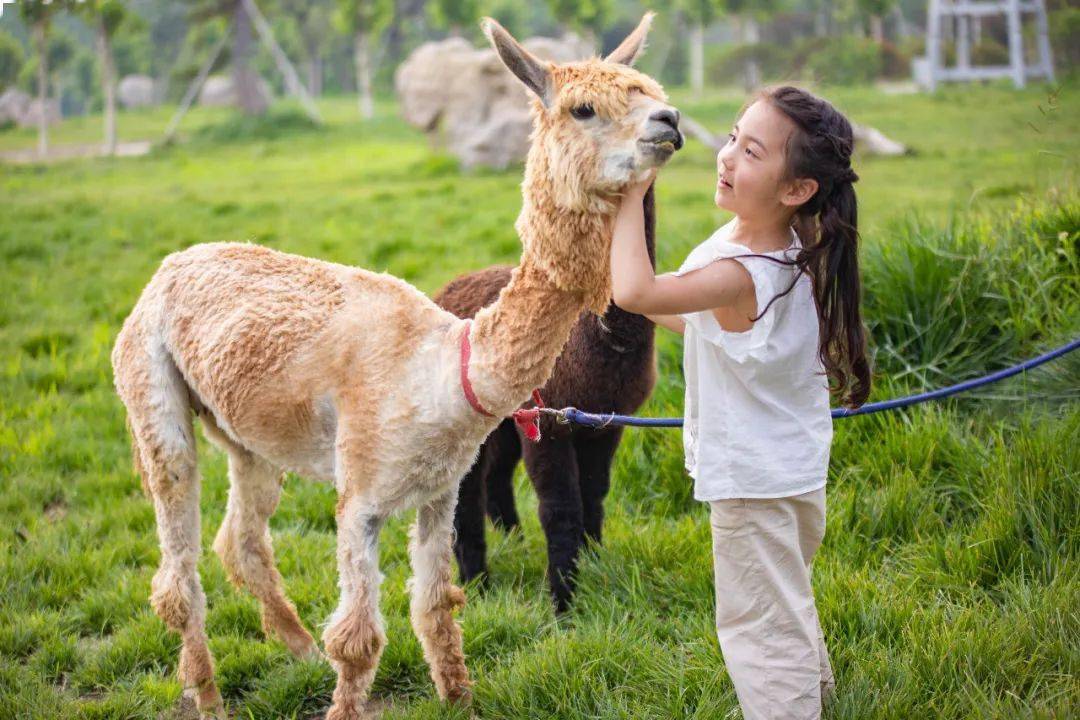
x=966 y=16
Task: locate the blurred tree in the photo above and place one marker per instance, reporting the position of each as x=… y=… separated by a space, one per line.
x=313 y=23
x=168 y=22
x=875 y=11
x=245 y=79
x=746 y=14
x=11 y=59
x=39 y=14
x=700 y=14
x=363 y=19
x=107 y=16
x=585 y=16
x=454 y=15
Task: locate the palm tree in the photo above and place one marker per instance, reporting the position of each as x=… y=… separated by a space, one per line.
x=361 y=19
x=701 y=14
x=107 y=16
x=38 y=15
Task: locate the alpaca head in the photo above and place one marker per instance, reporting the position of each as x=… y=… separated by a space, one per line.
x=597 y=124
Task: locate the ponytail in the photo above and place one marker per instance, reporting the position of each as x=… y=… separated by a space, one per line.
x=833 y=265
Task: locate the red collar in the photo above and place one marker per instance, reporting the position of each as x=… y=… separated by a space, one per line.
x=466 y=386
x=527 y=419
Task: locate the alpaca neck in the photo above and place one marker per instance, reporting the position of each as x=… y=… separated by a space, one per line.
x=564 y=269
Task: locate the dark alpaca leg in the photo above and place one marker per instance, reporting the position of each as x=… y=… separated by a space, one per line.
x=504 y=448
x=595 y=453
x=470 y=547
x=552 y=467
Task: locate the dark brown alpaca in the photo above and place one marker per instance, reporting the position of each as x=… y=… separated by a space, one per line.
x=607 y=366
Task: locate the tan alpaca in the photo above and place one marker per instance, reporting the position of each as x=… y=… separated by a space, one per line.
x=353 y=377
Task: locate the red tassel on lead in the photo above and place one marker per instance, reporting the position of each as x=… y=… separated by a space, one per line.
x=528 y=419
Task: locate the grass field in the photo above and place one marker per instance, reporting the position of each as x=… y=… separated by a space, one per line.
x=949 y=581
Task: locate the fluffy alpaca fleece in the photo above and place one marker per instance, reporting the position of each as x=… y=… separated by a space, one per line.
x=608 y=365
x=352 y=377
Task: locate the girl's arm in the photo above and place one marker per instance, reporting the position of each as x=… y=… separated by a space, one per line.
x=637 y=289
x=674 y=323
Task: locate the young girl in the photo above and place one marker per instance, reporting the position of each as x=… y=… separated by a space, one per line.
x=770 y=320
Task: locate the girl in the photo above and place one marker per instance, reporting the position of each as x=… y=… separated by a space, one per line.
x=770 y=320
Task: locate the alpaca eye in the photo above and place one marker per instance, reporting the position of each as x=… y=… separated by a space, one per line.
x=582 y=112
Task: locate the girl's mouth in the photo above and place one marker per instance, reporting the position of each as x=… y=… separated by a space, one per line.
x=724 y=183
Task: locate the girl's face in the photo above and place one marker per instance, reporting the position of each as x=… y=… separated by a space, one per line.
x=751 y=169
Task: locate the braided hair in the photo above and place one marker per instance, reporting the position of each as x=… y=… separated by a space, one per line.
x=820 y=149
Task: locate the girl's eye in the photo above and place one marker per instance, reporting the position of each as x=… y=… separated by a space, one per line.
x=731 y=137
x=582 y=112
x=750 y=153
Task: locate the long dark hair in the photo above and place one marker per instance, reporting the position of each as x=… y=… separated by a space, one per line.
x=820 y=149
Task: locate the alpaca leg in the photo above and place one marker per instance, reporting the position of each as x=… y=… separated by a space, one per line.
x=553 y=470
x=470 y=546
x=503 y=448
x=354 y=636
x=244 y=546
x=159 y=417
x=177 y=596
x=595 y=454
x=434 y=598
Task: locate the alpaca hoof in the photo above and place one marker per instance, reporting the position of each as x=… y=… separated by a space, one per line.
x=203 y=705
x=338 y=712
x=460 y=695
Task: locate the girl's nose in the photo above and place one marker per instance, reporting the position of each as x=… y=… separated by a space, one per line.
x=722 y=158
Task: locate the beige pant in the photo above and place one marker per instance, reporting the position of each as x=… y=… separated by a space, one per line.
x=766 y=620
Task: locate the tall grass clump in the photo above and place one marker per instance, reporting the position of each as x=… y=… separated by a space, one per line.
x=944 y=304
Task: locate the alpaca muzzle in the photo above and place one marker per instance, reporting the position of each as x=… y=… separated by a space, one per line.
x=662 y=136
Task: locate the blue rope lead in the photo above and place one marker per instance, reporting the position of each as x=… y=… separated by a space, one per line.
x=574 y=415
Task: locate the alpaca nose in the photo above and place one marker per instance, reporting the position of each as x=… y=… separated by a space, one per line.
x=667 y=115
x=664 y=127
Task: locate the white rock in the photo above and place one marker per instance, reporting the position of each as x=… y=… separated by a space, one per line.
x=135 y=91
x=466 y=98
x=218 y=91
x=13 y=105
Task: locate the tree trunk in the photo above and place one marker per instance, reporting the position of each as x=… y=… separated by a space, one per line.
x=108 y=87
x=314 y=67
x=362 y=58
x=245 y=80
x=751 y=35
x=821 y=21
x=697 y=58
x=877 y=29
x=43 y=88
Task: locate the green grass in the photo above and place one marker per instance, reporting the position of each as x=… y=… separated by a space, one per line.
x=949 y=580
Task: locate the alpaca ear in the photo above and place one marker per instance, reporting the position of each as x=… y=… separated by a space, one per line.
x=526 y=67
x=631 y=48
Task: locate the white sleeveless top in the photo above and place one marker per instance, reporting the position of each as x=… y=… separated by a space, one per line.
x=757 y=414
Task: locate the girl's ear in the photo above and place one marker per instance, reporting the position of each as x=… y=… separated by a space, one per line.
x=799 y=191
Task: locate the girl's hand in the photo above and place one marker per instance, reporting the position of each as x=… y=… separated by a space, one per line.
x=637 y=190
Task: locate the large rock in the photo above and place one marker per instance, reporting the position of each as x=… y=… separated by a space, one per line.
x=13 y=105
x=218 y=91
x=136 y=91
x=24 y=110
x=34 y=110
x=467 y=99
